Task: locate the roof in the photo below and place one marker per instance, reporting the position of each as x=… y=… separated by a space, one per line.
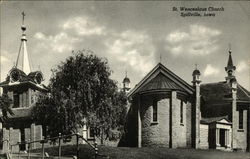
x=23 y=80
x=24 y=112
x=222 y=91
x=160 y=82
x=21 y=112
x=215 y=119
x=196 y=72
x=161 y=78
x=126 y=80
x=216 y=99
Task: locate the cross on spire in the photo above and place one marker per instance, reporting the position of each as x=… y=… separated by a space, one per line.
x=23 y=14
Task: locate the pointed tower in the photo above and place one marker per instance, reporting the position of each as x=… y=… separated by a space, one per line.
x=197 y=117
x=23 y=57
x=230 y=69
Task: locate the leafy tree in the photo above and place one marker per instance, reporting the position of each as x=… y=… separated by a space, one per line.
x=5 y=106
x=82 y=92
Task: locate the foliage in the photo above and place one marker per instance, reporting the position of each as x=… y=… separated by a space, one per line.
x=82 y=92
x=5 y=106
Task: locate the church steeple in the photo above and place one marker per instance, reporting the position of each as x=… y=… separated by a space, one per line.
x=23 y=57
x=230 y=69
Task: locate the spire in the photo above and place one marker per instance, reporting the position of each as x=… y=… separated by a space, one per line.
x=25 y=63
x=230 y=65
x=230 y=69
x=230 y=61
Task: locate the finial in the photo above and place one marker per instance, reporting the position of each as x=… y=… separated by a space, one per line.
x=229 y=47
x=196 y=66
x=23 y=14
x=126 y=73
x=23 y=26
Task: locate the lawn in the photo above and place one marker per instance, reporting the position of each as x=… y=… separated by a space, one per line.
x=148 y=153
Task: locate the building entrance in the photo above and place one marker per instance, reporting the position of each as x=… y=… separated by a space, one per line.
x=223 y=137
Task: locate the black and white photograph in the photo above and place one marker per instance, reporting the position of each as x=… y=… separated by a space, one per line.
x=124 y=79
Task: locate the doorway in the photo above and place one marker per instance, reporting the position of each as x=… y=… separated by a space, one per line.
x=22 y=146
x=222 y=137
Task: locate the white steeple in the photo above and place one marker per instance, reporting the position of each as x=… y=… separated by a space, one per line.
x=25 y=65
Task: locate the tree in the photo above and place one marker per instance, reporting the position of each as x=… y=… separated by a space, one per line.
x=5 y=106
x=82 y=92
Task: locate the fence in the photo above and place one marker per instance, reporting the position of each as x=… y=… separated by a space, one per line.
x=59 y=138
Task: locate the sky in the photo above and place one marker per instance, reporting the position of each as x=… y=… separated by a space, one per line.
x=132 y=36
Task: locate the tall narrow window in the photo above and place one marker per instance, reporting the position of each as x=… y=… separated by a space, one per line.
x=155 y=111
x=240 y=119
x=16 y=100
x=181 y=112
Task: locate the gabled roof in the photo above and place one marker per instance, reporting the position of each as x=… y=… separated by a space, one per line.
x=221 y=91
x=222 y=119
x=161 y=78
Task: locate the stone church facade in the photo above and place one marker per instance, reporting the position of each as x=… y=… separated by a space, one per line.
x=166 y=111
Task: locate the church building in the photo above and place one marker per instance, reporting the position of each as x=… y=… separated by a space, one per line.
x=23 y=85
x=166 y=111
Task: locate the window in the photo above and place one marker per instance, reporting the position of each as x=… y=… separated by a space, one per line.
x=16 y=100
x=155 y=111
x=91 y=133
x=181 y=112
x=240 y=119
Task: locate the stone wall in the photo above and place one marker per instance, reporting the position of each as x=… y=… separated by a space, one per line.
x=204 y=129
x=189 y=124
x=240 y=137
x=38 y=135
x=168 y=131
x=178 y=128
x=14 y=136
x=155 y=133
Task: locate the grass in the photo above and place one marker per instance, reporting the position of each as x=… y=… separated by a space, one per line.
x=147 y=153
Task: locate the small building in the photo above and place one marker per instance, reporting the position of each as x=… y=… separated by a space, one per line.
x=169 y=112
